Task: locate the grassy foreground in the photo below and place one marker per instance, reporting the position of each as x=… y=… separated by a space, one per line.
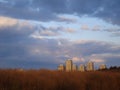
x=55 y=80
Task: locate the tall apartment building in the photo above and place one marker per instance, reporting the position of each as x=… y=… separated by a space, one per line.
x=81 y=68
x=90 y=66
x=102 y=66
x=74 y=67
x=61 y=67
x=69 y=64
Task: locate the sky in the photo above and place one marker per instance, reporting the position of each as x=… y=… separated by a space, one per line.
x=38 y=34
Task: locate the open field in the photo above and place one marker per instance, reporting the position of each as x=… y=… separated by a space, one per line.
x=56 y=80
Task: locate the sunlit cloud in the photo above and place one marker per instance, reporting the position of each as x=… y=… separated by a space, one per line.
x=18 y=24
x=78 y=59
x=7 y=22
x=98 y=61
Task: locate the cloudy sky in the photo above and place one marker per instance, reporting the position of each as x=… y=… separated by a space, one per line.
x=44 y=33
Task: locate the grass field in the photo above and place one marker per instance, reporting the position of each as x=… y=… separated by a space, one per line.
x=56 y=80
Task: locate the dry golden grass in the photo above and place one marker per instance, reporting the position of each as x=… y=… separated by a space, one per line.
x=56 y=80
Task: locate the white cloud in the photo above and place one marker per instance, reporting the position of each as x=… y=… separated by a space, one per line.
x=70 y=30
x=98 y=60
x=48 y=33
x=36 y=36
x=96 y=28
x=85 y=27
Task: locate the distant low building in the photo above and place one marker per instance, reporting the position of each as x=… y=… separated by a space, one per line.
x=102 y=66
x=81 y=68
x=90 y=66
x=74 y=67
x=61 y=67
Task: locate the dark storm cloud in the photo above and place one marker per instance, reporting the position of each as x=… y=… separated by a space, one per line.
x=17 y=49
x=56 y=6
x=15 y=33
x=84 y=6
x=48 y=9
x=27 y=64
x=32 y=9
x=8 y=36
x=111 y=11
x=106 y=9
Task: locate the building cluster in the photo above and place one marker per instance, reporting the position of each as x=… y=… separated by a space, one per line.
x=69 y=66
